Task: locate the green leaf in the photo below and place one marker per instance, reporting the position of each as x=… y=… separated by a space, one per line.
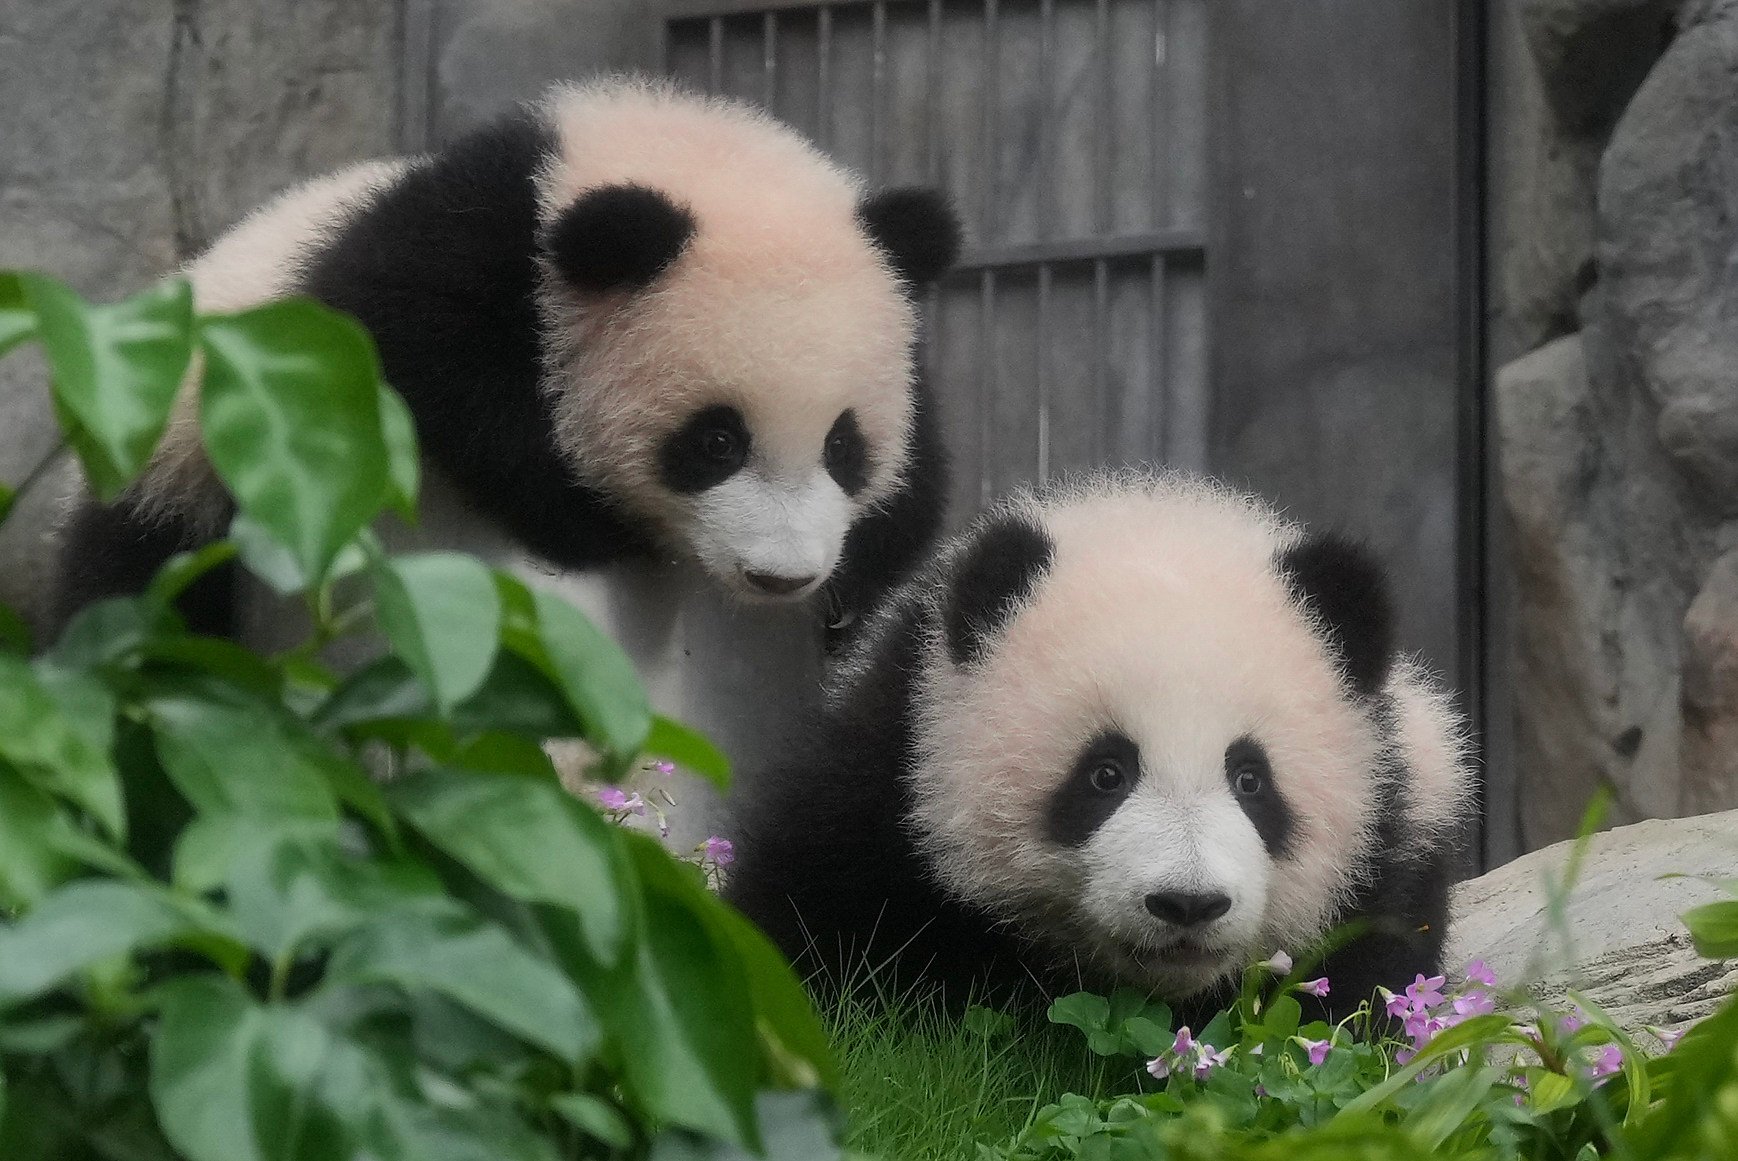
x=117 y=370
x=14 y=633
x=595 y=1117
x=32 y=863
x=791 y=1033
x=688 y=749
x=1699 y=1116
x=518 y=696
x=234 y=1081
x=442 y=613
x=1714 y=928
x=1090 y=1014
x=227 y=753
x=476 y=964
x=85 y=923
x=104 y=633
x=17 y=320
x=680 y=1009
x=47 y=747
x=182 y=569
x=291 y=418
x=797 y=1126
x=403 y=461
x=531 y=840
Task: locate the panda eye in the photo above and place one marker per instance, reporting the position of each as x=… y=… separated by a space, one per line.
x=718 y=444
x=845 y=454
x=1248 y=782
x=1107 y=777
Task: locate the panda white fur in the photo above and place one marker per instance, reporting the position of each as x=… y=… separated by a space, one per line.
x=630 y=323
x=1131 y=731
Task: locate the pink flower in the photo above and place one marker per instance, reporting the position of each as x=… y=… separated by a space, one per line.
x=1159 y=1068
x=1404 y=1056
x=1607 y=1060
x=1206 y=1059
x=1425 y=993
x=1397 y=1006
x=1568 y=1025
x=1184 y=1044
x=1317 y=1049
x=1668 y=1036
x=1314 y=987
x=1474 y=1003
x=720 y=851
x=1280 y=964
x=1478 y=973
x=615 y=798
x=664 y=767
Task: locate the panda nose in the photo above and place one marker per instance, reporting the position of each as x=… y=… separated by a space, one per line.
x=1187 y=909
x=778 y=586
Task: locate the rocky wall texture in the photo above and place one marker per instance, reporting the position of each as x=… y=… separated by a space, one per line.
x=1618 y=425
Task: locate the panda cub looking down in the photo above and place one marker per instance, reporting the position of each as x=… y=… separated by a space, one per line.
x=1136 y=731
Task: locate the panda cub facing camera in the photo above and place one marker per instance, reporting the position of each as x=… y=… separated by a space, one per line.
x=631 y=324
x=1135 y=731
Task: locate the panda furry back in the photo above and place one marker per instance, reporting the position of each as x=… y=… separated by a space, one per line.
x=1134 y=731
x=630 y=323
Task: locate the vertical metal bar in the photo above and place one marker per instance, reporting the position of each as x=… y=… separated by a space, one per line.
x=931 y=113
x=1102 y=125
x=1158 y=395
x=1101 y=358
x=988 y=383
x=715 y=31
x=1161 y=113
x=877 y=89
x=988 y=229
x=824 y=77
x=416 y=75
x=1047 y=107
x=1043 y=372
x=769 y=60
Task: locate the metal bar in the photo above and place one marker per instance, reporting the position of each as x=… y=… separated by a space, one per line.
x=715 y=31
x=702 y=9
x=1158 y=391
x=992 y=53
x=769 y=60
x=1161 y=112
x=932 y=136
x=1046 y=117
x=416 y=76
x=824 y=77
x=877 y=90
x=1182 y=241
x=1043 y=337
x=1102 y=124
x=1101 y=356
x=988 y=383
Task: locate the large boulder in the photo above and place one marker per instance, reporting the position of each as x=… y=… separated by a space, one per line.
x=1617 y=937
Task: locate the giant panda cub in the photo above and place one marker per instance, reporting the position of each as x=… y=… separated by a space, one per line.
x=1137 y=731
x=631 y=324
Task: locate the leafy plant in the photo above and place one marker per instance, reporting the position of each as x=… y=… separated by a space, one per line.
x=224 y=937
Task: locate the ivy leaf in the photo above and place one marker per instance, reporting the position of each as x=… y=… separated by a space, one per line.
x=442 y=613
x=531 y=840
x=476 y=964
x=117 y=370
x=38 y=738
x=290 y=411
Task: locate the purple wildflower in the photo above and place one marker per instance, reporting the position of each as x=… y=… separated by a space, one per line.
x=1668 y=1036
x=1607 y=1060
x=1317 y=1049
x=1474 y=1003
x=1206 y=1059
x=721 y=851
x=1478 y=973
x=1159 y=1068
x=1280 y=964
x=1184 y=1044
x=663 y=767
x=617 y=799
x=1425 y=993
x=1397 y=1006
x=1314 y=987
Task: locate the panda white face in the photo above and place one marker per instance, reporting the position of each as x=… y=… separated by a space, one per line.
x=1134 y=746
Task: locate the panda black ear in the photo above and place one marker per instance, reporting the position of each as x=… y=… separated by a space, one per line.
x=916 y=228
x=1346 y=587
x=1000 y=569
x=618 y=237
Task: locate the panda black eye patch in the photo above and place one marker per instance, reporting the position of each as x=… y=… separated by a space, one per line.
x=845 y=454
x=1102 y=777
x=1250 y=776
x=709 y=448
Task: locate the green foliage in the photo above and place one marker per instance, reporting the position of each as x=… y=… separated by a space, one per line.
x=223 y=937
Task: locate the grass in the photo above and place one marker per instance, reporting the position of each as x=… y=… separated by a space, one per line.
x=921 y=1084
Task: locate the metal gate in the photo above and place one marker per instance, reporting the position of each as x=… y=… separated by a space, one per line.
x=1071 y=133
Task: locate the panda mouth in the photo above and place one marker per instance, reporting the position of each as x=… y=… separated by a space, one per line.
x=1180 y=955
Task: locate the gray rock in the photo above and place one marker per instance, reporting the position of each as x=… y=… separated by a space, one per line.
x=1709 y=693
x=1593 y=53
x=1617 y=938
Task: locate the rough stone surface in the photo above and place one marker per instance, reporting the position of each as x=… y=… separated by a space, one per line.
x=1620 y=940
x=1709 y=693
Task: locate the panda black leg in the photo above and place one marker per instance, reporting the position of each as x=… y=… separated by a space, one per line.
x=108 y=550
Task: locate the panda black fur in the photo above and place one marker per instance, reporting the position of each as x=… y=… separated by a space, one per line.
x=629 y=322
x=1133 y=731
